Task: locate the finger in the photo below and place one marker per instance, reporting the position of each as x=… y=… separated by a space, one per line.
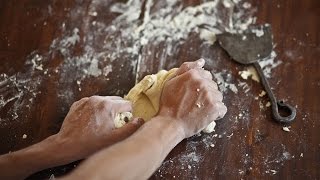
x=211 y=84
x=208 y=76
x=121 y=102
x=107 y=97
x=122 y=106
x=216 y=95
x=192 y=74
x=82 y=100
x=79 y=103
x=129 y=128
x=223 y=111
x=208 y=84
x=190 y=65
x=211 y=99
x=220 y=111
x=205 y=74
x=115 y=97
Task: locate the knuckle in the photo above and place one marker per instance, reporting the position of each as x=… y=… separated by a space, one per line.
x=93 y=99
x=200 y=84
x=214 y=105
x=79 y=102
x=210 y=105
x=204 y=84
x=188 y=74
x=83 y=99
x=102 y=105
x=185 y=65
x=193 y=74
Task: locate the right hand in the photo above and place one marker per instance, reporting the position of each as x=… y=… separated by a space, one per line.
x=192 y=98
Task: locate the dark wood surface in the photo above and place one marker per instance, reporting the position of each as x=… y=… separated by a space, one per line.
x=250 y=145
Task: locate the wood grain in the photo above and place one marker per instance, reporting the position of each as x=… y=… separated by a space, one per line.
x=250 y=146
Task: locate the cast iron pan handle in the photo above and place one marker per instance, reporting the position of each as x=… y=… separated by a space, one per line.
x=276 y=105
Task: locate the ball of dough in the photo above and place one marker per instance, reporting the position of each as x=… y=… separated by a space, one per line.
x=145 y=96
x=210 y=127
x=122 y=118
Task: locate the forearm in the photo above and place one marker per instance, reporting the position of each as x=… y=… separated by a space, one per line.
x=20 y=164
x=137 y=157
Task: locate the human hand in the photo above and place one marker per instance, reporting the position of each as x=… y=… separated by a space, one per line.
x=192 y=98
x=89 y=125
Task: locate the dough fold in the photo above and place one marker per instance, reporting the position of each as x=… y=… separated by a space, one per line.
x=145 y=96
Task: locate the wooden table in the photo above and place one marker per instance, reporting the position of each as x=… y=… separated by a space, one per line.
x=40 y=78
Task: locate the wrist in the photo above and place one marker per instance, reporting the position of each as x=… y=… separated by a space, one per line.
x=50 y=152
x=65 y=149
x=174 y=124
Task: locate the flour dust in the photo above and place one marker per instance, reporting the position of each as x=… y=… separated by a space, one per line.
x=91 y=49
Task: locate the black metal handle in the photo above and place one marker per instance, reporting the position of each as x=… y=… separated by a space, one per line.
x=280 y=105
x=276 y=105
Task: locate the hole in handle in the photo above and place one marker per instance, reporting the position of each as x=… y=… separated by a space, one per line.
x=284 y=112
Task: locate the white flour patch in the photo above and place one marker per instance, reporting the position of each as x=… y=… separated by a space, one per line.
x=268 y=63
x=225 y=83
x=106 y=70
x=273 y=162
x=173 y=22
x=63 y=44
x=88 y=50
x=188 y=160
x=208 y=36
x=250 y=72
x=18 y=91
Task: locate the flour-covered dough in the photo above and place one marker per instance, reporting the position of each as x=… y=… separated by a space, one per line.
x=122 y=118
x=145 y=96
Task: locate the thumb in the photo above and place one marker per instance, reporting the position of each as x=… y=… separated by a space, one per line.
x=129 y=128
x=190 y=65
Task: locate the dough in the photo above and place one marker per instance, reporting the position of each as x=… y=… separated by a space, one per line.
x=122 y=118
x=145 y=97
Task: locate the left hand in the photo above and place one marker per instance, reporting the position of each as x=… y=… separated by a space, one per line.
x=89 y=125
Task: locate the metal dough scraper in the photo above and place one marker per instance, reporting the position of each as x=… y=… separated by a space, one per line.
x=248 y=48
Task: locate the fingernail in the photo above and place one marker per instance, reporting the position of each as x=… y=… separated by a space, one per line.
x=138 y=121
x=200 y=62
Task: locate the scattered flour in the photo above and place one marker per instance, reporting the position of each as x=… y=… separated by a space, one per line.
x=263 y=93
x=225 y=83
x=250 y=72
x=268 y=104
x=18 y=91
x=62 y=45
x=258 y=32
x=273 y=162
x=268 y=63
x=122 y=39
x=286 y=129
